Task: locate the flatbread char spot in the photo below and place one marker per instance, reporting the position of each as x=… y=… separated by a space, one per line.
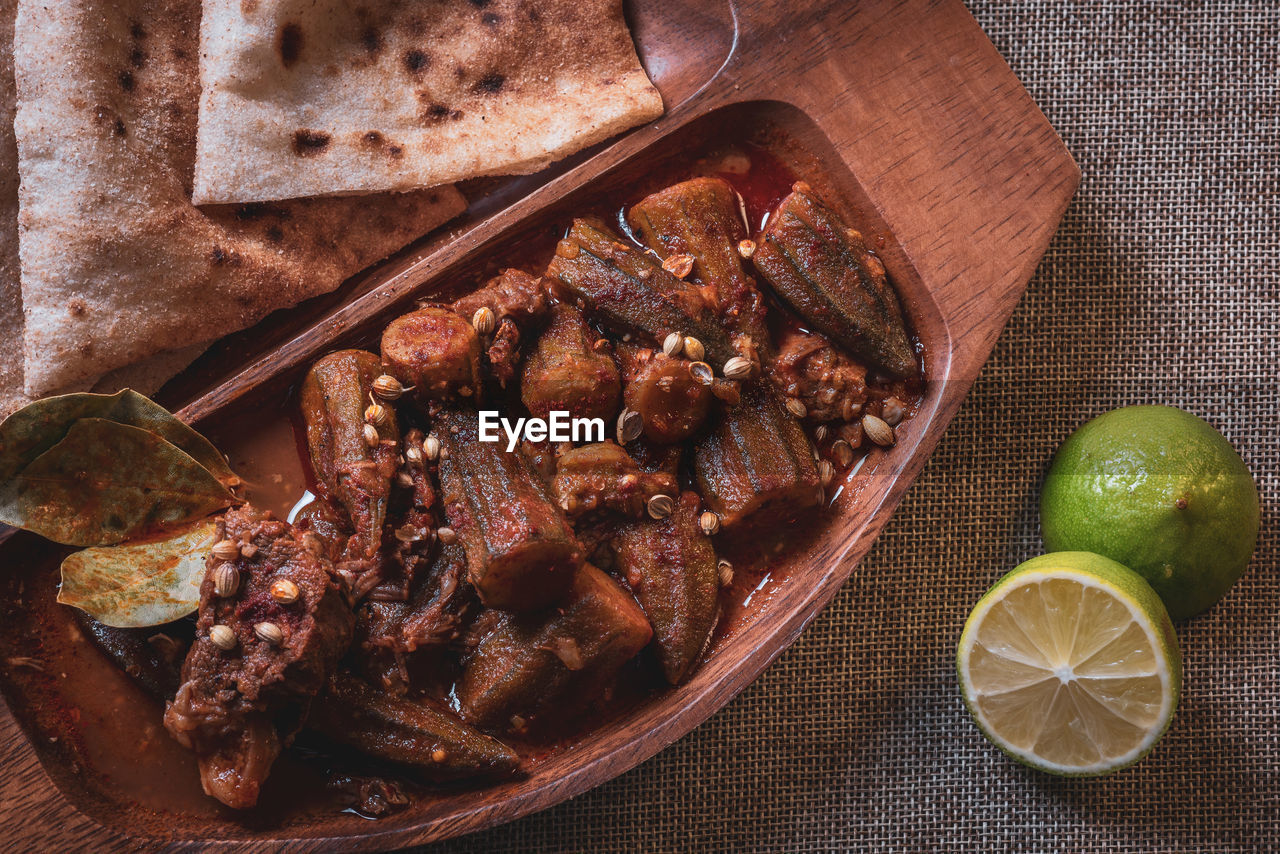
x=503 y=87
x=105 y=128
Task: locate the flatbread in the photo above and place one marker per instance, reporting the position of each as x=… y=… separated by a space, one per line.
x=317 y=97
x=149 y=375
x=117 y=264
x=146 y=377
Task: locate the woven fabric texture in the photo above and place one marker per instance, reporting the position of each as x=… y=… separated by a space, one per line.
x=1163 y=285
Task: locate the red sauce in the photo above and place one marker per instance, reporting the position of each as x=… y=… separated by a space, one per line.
x=762 y=186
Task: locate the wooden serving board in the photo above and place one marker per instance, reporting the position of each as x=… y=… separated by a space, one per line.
x=913 y=118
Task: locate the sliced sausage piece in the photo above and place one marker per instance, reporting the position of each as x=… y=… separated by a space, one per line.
x=435 y=350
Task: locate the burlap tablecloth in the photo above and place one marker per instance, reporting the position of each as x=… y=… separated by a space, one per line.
x=1163 y=285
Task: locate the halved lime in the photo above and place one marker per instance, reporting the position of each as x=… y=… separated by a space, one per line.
x=1070 y=664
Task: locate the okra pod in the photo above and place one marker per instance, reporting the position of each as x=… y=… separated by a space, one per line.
x=151 y=657
x=348 y=466
x=349 y=711
x=409 y=732
x=700 y=218
x=756 y=461
x=521 y=553
x=825 y=272
x=435 y=350
x=555 y=662
x=629 y=291
x=567 y=371
x=671 y=567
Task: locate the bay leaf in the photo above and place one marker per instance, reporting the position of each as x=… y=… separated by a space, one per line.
x=38 y=426
x=107 y=482
x=141 y=583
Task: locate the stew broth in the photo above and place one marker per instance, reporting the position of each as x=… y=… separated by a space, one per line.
x=100 y=734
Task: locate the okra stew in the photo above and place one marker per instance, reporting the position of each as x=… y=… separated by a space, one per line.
x=526 y=499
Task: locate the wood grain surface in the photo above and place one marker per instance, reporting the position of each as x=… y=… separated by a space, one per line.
x=931 y=136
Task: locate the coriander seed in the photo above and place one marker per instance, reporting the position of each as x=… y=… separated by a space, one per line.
x=877 y=430
x=284 y=591
x=484 y=321
x=630 y=426
x=737 y=368
x=702 y=372
x=222 y=637
x=388 y=387
x=725 y=570
x=226 y=550
x=693 y=349
x=226 y=580
x=679 y=265
x=660 y=506
x=270 y=633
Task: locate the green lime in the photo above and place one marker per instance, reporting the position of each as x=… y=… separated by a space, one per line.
x=1070 y=664
x=1160 y=491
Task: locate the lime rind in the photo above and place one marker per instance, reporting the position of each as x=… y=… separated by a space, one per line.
x=1145 y=610
x=1163 y=493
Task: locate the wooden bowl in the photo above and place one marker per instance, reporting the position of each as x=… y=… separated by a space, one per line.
x=902 y=111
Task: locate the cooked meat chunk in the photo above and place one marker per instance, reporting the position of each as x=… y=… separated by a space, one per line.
x=604 y=477
x=237 y=707
x=433 y=614
x=373 y=797
x=831 y=386
x=513 y=293
x=436 y=351
x=407 y=550
x=519 y=305
x=324 y=528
